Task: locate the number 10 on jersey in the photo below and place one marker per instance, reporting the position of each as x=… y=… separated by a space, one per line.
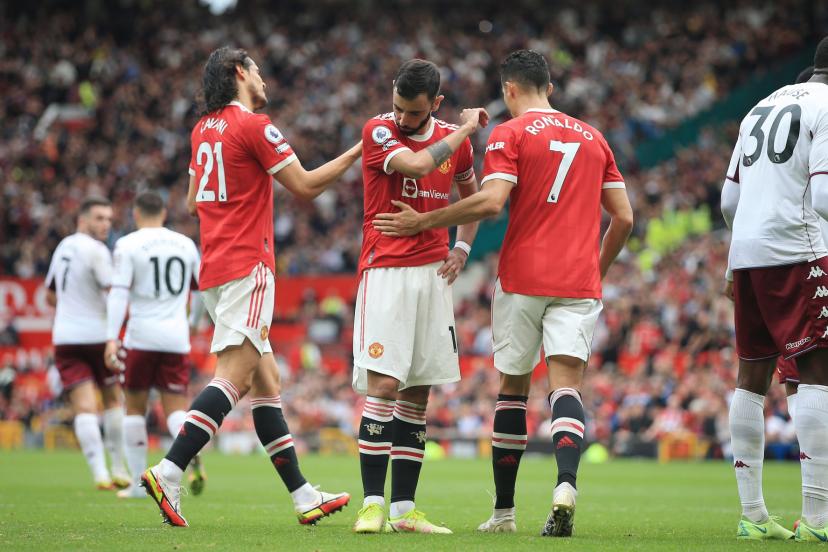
x=208 y=157
x=568 y=149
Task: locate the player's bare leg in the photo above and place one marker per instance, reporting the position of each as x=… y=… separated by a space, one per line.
x=811 y=422
x=508 y=443
x=135 y=440
x=310 y=504
x=566 y=375
x=375 y=436
x=234 y=375
x=84 y=400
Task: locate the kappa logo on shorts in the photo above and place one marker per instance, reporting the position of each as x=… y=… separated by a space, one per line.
x=816 y=272
x=821 y=291
x=801 y=342
x=376 y=350
x=264 y=332
x=823 y=313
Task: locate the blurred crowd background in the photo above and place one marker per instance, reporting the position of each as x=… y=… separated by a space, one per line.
x=100 y=97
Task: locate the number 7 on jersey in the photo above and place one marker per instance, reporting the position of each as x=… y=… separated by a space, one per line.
x=568 y=149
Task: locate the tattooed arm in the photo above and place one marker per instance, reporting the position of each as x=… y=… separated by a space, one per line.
x=421 y=163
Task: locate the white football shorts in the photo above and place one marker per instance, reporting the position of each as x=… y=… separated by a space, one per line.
x=242 y=308
x=404 y=327
x=520 y=323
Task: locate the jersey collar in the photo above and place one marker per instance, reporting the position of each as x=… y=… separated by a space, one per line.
x=239 y=105
x=541 y=110
x=425 y=136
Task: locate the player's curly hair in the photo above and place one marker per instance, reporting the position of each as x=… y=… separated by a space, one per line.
x=219 y=81
x=527 y=68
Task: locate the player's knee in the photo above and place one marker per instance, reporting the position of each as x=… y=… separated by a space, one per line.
x=514 y=385
x=382 y=386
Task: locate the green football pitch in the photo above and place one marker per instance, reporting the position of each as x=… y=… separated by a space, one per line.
x=47 y=502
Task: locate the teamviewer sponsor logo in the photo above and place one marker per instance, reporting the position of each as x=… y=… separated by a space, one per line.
x=797 y=344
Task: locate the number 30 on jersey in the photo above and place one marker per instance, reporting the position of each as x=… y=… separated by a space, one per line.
x=209 y=157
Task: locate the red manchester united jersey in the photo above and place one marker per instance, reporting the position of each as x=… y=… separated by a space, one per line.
x=234 y=154
x=381 y=141
x=558 y=166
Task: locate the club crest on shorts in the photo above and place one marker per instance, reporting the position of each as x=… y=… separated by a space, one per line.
x=446 y=166
x=264 y=332
x=376 y=350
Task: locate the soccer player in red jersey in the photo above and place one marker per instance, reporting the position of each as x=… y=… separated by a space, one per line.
x=404 y=338
x=236 y=154
x=558 y=172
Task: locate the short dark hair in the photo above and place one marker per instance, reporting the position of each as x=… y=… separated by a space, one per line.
x=527 y=68
x=93 y=201
x=149 y=203
x=417 y=76
x=219 y=80
x=821 y=55
x=805 y=75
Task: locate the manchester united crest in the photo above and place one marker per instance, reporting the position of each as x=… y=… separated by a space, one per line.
x=445 y=167
x=376 y=350
x=264 y=332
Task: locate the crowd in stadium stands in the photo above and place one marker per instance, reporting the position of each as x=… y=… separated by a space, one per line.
x=108 y=108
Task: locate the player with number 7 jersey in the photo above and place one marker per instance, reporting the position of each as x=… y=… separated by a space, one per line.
x=558 y=172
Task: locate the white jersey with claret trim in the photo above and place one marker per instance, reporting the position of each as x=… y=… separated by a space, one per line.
x=782 y=143
x=159 y=267
x=80 y=274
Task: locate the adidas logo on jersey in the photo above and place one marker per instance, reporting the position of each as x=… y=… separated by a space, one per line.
x=816 y=272
x=821 y=291
x=509 y=460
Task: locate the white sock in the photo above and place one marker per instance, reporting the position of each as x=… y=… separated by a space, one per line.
x=305 y=495
x=401 y=508
x=171 y=472
x=135 y=445
x=174 y=422
x=374 y=499
x=792 y=406
x=113 y=424
x=89 y=438
x=747 y=435
x=811 y=424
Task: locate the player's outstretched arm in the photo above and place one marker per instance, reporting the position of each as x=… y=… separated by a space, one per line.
x=459 y=254
x=617 y=204
x=309 y=184
x=486 y=203
x=423 y=162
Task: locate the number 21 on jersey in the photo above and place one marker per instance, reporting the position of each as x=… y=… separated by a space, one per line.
x=210 y=157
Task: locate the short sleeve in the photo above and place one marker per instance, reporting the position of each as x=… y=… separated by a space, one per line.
x=733 y=167
x=380 y=143
x=818 y=159
x=102 y=267
x=122 y=268
x=465 y=162
x=500 y=160
x=612 y=176
x=268 y=145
